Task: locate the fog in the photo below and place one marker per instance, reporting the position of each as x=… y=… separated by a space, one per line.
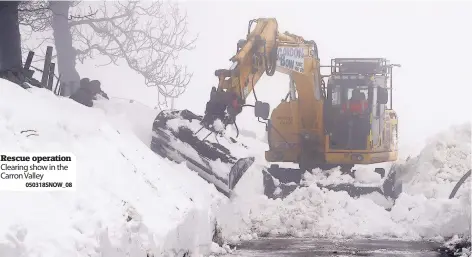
x=431 y=40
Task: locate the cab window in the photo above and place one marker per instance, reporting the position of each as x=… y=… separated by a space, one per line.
x=364 y=93
x=336 y=96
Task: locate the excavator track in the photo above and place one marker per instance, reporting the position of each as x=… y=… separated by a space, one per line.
x=280 y=182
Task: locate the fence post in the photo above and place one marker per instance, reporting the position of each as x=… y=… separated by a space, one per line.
x=47 y=63
x=27 y=66
x=57 y=89
x=52 y=66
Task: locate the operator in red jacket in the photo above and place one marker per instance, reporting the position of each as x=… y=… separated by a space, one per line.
x=357 y=104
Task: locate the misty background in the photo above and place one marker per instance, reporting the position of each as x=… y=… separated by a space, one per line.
x=431 y=40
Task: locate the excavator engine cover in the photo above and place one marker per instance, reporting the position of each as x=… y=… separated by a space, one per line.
x=179 y=136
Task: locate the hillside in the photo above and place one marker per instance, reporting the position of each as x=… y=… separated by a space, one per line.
x=128 y=200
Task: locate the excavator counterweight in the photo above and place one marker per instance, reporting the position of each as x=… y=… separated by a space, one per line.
x=345 y=122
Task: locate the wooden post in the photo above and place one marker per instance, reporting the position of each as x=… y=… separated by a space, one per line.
x=59 y=89
x=52 y=66
x=58 y=85
x=47 y=62
x=29 y=59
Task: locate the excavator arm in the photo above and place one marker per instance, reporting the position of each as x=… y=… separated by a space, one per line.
x=256 y=55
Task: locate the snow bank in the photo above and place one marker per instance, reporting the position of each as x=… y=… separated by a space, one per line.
x=128 y=201
x=457 y=246
x=443 y=161
x=422 y=212
x=129 y=114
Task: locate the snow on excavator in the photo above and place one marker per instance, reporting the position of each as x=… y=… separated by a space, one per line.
x=349 y=121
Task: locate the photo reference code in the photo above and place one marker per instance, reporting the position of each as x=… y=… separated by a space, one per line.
x=49 y=184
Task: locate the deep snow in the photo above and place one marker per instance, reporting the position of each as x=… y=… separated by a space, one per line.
x=312 y=211
x=170 y=209
x=457 y=246
x=442 y=162
x=421 y=212
x=129 y=114
x=128 y=200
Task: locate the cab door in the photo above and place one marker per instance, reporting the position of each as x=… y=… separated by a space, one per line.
x=375 y=119
x=378 y=112
x=335 y=123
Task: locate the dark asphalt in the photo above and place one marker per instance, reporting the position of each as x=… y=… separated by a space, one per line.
x=276 y=247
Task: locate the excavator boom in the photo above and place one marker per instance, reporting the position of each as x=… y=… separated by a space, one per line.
x=259 y=53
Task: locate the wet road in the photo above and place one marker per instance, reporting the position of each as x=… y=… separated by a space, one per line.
x=278 y=247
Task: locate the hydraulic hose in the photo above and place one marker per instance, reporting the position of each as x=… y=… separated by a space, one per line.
x=459 y=183
x=271 y=60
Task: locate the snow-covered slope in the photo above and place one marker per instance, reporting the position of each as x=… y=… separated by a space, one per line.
x=423 y=211
x=128 y=201
x=129 y=114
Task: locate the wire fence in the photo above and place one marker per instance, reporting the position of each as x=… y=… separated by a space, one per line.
x=47 y=79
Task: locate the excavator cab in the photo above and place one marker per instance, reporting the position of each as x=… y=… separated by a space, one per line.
x=358 y=99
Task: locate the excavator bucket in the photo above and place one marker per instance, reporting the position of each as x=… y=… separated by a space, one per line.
x=179 y=136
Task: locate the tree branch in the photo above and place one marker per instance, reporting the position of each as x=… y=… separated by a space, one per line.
x=147 y=36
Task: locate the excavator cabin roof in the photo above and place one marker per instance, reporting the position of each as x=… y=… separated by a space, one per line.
x=361 y=66
x=359 y=71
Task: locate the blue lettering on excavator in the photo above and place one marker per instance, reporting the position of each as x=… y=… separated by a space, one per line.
x=291 y=58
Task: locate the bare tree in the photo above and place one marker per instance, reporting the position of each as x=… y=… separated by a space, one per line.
x=66 y=54
x=148 y=36
x=35 y=16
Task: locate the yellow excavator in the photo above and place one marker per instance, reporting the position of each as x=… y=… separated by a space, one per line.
x=345 y=122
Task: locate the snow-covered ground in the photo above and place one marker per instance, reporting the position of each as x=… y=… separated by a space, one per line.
x=128 y=200
x=458 y=246
x=312 y=211
x=129 y=114
x=423 y=211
